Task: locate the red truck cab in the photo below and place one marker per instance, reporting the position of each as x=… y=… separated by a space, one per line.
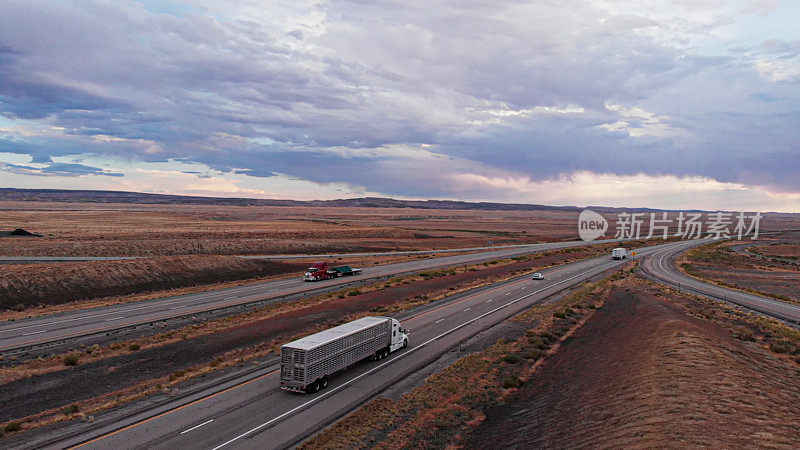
x=317 y=271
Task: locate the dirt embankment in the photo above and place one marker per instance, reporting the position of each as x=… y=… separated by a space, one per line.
x=23 y=286
x=641 y=373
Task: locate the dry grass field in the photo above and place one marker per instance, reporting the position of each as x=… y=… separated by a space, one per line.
x=71 y=229
x=766 y=266
x=27 y=285
x=124 y=229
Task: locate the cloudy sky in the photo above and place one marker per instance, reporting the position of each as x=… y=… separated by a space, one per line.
x=679 y=104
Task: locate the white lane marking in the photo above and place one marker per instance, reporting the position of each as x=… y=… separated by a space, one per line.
x=178 y=307
x=439 y=320
x=197 y=426
x=487 y=301
x=34 y=332
x=508 y=293
x=523 y=288
x=402 y=355
x=115 y=318
x=467 y=309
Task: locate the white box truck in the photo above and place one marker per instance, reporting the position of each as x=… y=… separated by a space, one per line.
x=619 y=253
x=307 y=363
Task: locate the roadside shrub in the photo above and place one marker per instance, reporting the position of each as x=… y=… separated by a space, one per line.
x=71 y=409
x=512 y=358
x=71 y=360
x=548 y=337
x=341 y=295
x=447 y=421
x=12 y=427
x=537 y=342
x=511 y=382
x=744 y=334
x=535 y=354
x=353 y=292
x=560 y=315
x=134 y=347
x=780 y=347
x=177 y=374
x=19 y=307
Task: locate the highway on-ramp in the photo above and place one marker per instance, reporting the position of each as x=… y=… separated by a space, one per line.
x=661 y=266
x=43 y=330
x=255 y=413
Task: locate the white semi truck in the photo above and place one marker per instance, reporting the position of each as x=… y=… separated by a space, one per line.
x=307 y=363
x=619 y=253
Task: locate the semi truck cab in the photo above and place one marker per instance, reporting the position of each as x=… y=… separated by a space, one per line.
x=399 y=336
x=317 y=271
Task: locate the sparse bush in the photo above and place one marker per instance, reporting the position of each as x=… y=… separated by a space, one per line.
x=19 y=307
x=12 y=427
x=535 y=354
x=71 y=360
x=353 y=292
x=549 y=337
x=537 y=342
x=444 y=422
x=780 y=347
x=744 y=334
x=71 y=409
x=560 y=315
x=511 y=382
x=512 y=358
x=134 y=347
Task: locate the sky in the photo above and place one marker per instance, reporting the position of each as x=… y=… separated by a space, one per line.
x=681 y=105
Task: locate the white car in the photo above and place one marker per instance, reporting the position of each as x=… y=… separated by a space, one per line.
x=537 y=276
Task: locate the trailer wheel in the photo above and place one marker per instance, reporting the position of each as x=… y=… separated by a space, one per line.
x=379 y=355
x=323 y=383
x=405 y=343
x=314 y=386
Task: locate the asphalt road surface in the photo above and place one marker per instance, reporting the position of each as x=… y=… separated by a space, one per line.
x=69 y=325
x=256 y=413
x=661 y=265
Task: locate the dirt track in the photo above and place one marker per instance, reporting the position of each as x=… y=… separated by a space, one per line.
x=641 y=373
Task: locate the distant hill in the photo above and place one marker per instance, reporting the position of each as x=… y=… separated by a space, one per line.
x=78 y=196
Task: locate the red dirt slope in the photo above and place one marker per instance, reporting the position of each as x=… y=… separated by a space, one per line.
x=641 y=373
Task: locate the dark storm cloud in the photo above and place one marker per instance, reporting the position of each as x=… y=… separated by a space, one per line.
x=343 y=90
x=58 y=169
